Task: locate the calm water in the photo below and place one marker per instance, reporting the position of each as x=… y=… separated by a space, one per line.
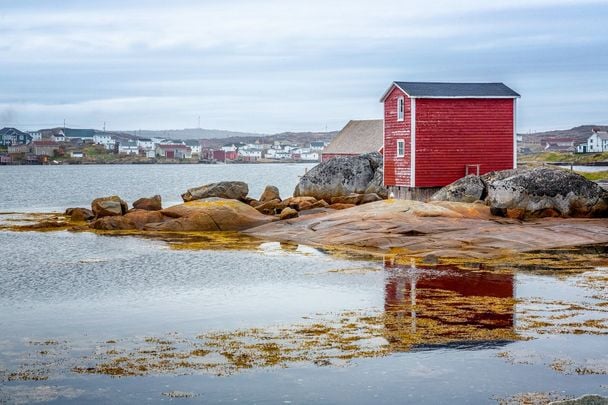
x=278 y=323
x=54 y=188
x=588 y=169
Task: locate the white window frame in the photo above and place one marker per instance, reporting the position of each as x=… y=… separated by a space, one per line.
x=400 y=109
x=401 y=142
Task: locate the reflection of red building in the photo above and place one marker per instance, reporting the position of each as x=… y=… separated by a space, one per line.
x=450 y=297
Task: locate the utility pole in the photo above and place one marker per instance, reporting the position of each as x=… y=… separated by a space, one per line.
x=64 y=123
x=104 y=126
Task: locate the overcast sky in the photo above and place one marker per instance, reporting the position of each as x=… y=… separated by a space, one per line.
x=271 y=66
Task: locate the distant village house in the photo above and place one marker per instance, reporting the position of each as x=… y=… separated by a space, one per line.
x=173 y=151
x=597 y=142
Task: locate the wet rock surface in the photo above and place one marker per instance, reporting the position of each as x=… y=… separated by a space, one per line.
x=236 y=190
x=212 y=214
x=443 y=229
x=342 y=176
x=531 y=193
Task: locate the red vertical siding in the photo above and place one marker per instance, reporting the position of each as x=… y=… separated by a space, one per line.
x=452 y=133
x=396 y=169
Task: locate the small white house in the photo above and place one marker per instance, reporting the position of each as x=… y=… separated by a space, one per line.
x=36 y=135
x=318 y=145
x=597 y=142
x=310 y=156
x=145 y=144
x=58 y=136
x=76 y=154
x=128 y=148
x=195 y=147
x=250 y=154
x=104 y=139
x=229 y=148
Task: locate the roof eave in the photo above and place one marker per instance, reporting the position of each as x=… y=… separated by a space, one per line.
x=486 y=97
x=390 y=88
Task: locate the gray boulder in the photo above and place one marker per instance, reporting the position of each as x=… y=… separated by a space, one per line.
x=376 y=186
x=535 y=192
x=468 y=189
x=588 y=399
x=340 y=176
x=544 y=191
x=234 y=190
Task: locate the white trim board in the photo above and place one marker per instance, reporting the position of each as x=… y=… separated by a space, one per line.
x=515 y=133
x=413 y=143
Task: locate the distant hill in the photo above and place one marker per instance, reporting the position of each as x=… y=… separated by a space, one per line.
x=210 y=137
x=579 y=134
x=300 y=138
x=191 y=133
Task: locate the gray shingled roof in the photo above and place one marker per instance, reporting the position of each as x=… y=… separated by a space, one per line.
x=461 y=90
x=603 y=135
x=357 y=137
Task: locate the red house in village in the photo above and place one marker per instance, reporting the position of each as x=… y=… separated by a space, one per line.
x=436 y=133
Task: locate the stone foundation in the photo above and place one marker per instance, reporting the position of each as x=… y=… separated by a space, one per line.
x=413 y=193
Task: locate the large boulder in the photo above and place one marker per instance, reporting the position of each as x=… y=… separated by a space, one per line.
x=212 y=214
x=109 y=206
x=531 y=193
x=468 y=189
x=543 y=191
x=270 y=193
x=236 y=190
x=149 y=203
x=339 y=176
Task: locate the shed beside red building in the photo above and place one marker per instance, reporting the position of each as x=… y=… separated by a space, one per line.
x=436 y=133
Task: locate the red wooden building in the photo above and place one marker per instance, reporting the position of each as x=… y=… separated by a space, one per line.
x=436 y=133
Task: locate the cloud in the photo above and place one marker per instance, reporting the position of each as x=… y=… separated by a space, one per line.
x=290 y=65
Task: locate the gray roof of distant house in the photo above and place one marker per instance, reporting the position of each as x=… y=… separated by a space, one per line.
x=12 y=131
x=602 y=135
x=454 y=90
x=78 y=133
x=358 y=136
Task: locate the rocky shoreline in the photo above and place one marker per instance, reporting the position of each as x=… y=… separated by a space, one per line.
x=342 y=203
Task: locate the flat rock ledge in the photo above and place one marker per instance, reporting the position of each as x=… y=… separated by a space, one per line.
x=441 y=228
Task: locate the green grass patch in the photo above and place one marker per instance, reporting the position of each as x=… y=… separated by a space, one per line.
x=595 y=176
x=575 y=158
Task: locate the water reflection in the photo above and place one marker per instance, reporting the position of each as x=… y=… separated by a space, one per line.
x=444 y=305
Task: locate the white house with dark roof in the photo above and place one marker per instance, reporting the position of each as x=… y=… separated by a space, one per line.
x=597 y=142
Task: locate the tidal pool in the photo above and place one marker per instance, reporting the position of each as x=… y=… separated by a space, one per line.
x=225 y=318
